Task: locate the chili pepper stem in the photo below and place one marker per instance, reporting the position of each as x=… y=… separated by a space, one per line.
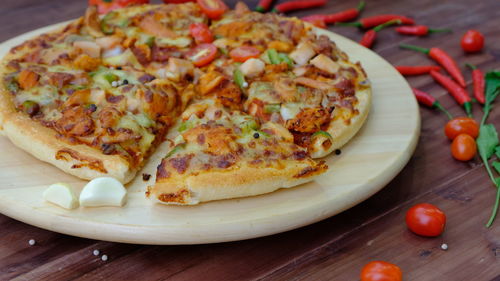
x=361 y=6
x=381 y=26
x=442 y=109
x=431 y=30
x=259 y=9
x=415 y=48
x=471 y=66
x=355 y=24
x=497 y=200
x=468 y=108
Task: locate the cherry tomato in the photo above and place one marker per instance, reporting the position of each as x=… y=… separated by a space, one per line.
x=463 y=147
x=472 y=41
x=105 y=6
x=381 y=271
x=202 y=54
x=426 y=220
x=212 y=8
x=201 y=33
x=461 y=125
x=242 y=53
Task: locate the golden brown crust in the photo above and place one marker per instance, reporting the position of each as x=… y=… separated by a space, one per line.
x=233 y=183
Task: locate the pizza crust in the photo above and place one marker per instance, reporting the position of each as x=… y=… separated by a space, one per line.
x=237 y=182
x=78 y=160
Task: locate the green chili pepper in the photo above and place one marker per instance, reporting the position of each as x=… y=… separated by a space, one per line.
x=176 y=149
x=12 y=86
x=30 y=107
x=224 y=51
x=105 y=26
x=249 y=126
x=322 y=133
x=110 y=77
x=285 y=58
x=239 y=78
x=270 y=108
x=186 y=125
x=124 y=23
x=150 y=41
x=263 y=133
x=273 y=56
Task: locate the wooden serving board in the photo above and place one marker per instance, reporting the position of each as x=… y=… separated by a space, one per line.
x=367 y=163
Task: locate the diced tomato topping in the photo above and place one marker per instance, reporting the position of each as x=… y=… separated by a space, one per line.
x=201 y=33
x=243 y=53
x=212 y=8
x=202 y=54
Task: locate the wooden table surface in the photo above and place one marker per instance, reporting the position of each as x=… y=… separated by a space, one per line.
x=336 y=248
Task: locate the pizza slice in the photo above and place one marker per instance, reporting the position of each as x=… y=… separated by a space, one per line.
x=221 y=154
x=70 y=99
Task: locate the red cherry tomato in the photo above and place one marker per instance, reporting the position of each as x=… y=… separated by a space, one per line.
x=381 y=271
x=463 y=147
x=202 y=54
x=461 y=125
x=201 y=33
x=472 y=41
x=105 y=6
x=212 y=8
x=242 y=53
x=426 y=220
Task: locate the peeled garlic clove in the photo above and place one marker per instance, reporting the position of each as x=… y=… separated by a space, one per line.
x=62 y=195
x=102 y=192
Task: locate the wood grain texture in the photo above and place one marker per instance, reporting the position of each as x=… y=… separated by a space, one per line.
x=333 y=249
x=368 y=162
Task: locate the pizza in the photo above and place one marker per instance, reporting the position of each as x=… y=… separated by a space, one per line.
x=247 y=101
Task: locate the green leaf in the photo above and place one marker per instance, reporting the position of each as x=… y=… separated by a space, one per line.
x=492 y=85
x=497 y=182
x=492 y=79
x=487 y=141
x=496 y=165
x=497 y=151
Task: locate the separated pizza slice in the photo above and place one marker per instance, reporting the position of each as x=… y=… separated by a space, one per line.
x=220 y=154
x=62 y=101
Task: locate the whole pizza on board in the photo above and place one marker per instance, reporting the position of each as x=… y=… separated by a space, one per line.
x=246 y=100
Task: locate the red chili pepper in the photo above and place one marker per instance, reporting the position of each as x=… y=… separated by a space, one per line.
x=458 y=93
x=479 y=83
x=343 y=16
x=346 y=15
x=316 y=20
x=416 y=70
x=264 y=5
x=298 y=5
x=419 y=30
x=371 y=35
x=443 y=59
x=378 y=20
x=430 y=101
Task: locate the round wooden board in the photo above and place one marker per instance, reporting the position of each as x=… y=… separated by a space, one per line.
x=367 y=163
